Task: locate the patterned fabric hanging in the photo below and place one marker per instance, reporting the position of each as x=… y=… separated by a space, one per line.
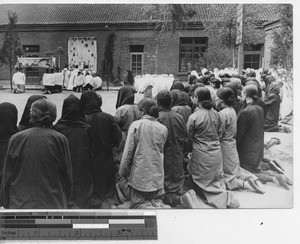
x=83 y=51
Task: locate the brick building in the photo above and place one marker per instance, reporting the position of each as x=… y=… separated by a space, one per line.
x=82 y=31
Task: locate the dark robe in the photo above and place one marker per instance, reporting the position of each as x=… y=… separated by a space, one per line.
x=259 y=101
x=180 y=106
x=25 y=120
x=125 y=96
x=8 y=127
x=105 y=135
x=250 y=137
x=37 y=171
x=73 y=126
x=179 y=86
x=129 y=79
x=272 y=103
x=238 y=106
x=173 y=150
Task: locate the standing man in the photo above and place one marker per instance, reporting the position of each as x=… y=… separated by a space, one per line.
x=66 y=74
x=74 y=73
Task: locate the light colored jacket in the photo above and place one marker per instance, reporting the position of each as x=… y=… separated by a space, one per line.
x=19 y=78
x=143 y=157
x=48 y=80
x=59 y=78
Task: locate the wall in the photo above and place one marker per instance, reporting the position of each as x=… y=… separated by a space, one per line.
x=168 y=54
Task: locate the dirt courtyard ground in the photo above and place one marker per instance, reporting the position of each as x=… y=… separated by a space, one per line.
x=275 y=196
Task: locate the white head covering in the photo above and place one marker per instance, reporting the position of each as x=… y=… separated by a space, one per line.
x=194 y=72
x=203 y=71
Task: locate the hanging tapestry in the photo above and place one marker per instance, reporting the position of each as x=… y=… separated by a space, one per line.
x=83 y=51
x=46 y=62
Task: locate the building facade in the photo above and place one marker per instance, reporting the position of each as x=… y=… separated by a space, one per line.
x=82 y=32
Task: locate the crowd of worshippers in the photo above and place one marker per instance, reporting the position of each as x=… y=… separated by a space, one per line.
x=75 y=79
x=192 y=145
x=55 y=80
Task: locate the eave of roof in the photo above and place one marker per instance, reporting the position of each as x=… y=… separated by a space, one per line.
x=60 y=14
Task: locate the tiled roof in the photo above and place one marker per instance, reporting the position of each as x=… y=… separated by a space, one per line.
x=52 y=14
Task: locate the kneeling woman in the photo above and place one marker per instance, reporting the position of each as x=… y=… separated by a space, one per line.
x=142 y=161
x=235 y=176
x=37 y=170
x=205 y=167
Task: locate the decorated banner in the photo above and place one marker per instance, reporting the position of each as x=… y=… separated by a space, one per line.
x=45 y=62
x=83 y=51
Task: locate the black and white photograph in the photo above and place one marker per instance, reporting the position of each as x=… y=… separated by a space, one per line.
x=177 y=108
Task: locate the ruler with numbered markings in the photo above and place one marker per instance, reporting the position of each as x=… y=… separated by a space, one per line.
x=78 y=225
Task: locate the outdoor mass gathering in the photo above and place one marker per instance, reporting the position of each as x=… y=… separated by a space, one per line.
x=146 y=106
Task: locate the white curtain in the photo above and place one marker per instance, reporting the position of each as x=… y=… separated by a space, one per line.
x=83 y=51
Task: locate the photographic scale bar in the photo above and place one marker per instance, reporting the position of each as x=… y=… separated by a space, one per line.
x=78 y=225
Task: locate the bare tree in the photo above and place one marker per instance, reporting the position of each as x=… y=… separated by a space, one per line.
x=167 y=19
x=11 y=47
x=222 y=32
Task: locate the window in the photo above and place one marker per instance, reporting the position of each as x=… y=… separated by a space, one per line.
x=31 y=48
x=136 y=63
x=191 y=53
x=251 y=61
x=136 y=59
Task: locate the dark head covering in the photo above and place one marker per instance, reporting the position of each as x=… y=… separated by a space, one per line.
x=71 y=112
x=269 y=79
x=264 y=74
x=204 y=80
x=225 y=80
x=204 y=97
x=25 y=120
x=125 y=96
x=271 y=85
x=251 y=73
x=227 y=95
x=224 y=75
x=8 y=121
x=43 y=113
x=130 y=78
x=177 y=85
x=192 y=79
x=216 y=82
x=149 y=106
x=90 y=102
x=177 y=98
x=164 y=99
